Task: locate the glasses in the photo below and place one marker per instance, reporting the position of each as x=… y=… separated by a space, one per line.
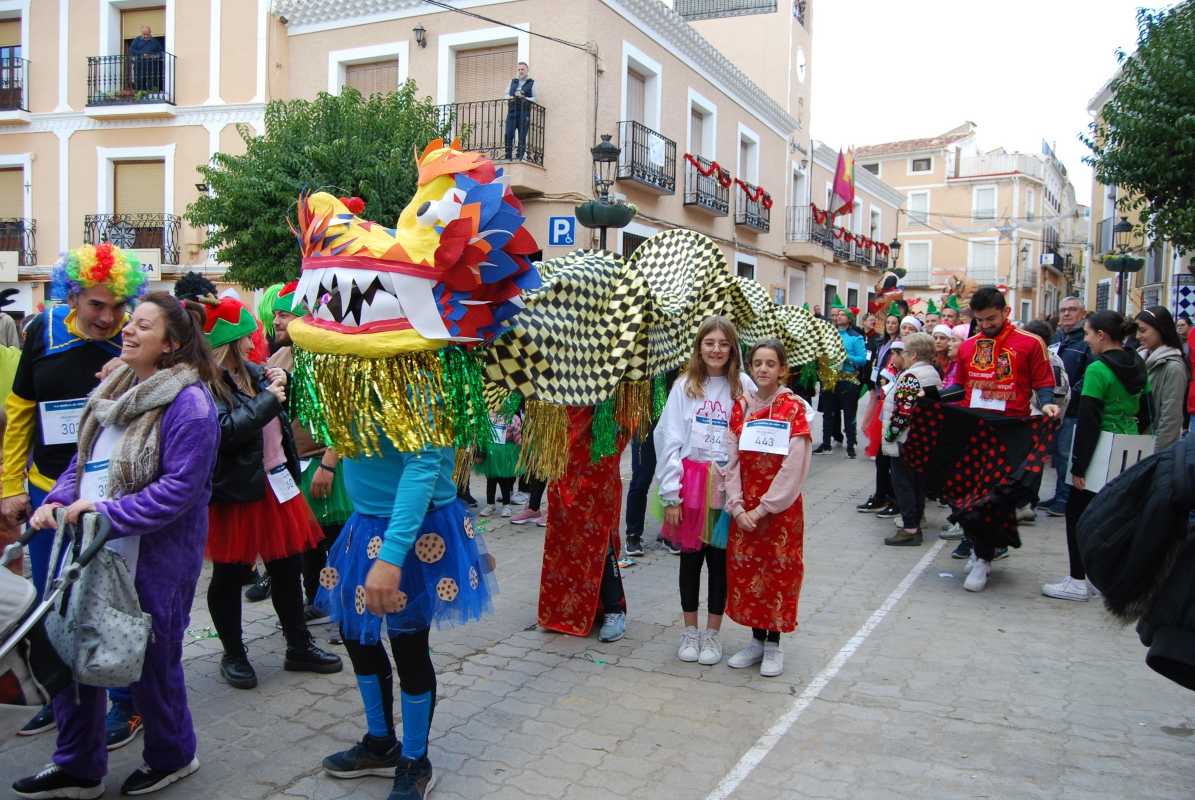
x=708 y=345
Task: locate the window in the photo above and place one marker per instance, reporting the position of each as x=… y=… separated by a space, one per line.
x=918 y=165
x=641 y=87
x=138 y=186
x=12 y=193
x=829 y=292
x=918 y=205
x=745 y=270
x=852 y=297
x=703 y=126
x=1030 y=204
x=778 y=295
x=375 y=69
x=917 y=263
x=873 y=167
x=748 y=166
x=134 y=19
x=1154 y=265
x=981 y=260
x=983 y=202
x=631 y=242
x=875 y=230
x=857 y=218
x=1103 y=293
x=484 y=73
x=1026 y=311
x=796 y=287
x=378 y=77
x=636 y=96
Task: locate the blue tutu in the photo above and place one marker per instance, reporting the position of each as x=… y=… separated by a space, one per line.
x=447 y=577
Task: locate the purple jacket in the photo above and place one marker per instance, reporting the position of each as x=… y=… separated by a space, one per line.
x=170 y=514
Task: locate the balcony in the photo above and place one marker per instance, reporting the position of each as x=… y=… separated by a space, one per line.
x=842 y=248
x=136 y=231
x=482 y=126
x=752 y=207
x=647 y=158
x=881 y=260
x=998 y=164
x=917 y=276
x=707 y=186
x=860 y=255
x=19 y=236
x=692 y=10
x=1029 y=278
x=14 y=90
x=130 y=86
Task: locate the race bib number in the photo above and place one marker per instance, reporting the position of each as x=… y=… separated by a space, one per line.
x=283 y=483
x=95 y=480
x=989 y=404
x=499 y=430
x=765 y=436
x=708 y=438
x=60 y=420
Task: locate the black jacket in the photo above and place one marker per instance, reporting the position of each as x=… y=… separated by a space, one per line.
x=240 y=475
x=1136 y=546
x=1075 y=355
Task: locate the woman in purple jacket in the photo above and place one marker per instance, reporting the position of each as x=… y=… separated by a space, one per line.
x=147 y=443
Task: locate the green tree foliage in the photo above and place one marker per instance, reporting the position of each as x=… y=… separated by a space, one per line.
x=1144 y=140
x=344 y=144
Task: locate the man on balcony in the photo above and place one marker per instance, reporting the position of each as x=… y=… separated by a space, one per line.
x=146 y=54
x=518 y=115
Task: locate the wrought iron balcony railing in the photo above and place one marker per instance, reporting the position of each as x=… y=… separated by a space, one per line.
x=842 y=249
x=505 y=130
x=14 y=84
x=712 y=9
x=860 y=255
x=750 y=209
x=710 y=192
x=1029 y=278
x=647 y=157
x=137 y=231
x=20 y=235
x=881 y=260
x=798 y=225
x=130 y=80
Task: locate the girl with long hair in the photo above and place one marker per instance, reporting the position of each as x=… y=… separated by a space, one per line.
x=1167 y=369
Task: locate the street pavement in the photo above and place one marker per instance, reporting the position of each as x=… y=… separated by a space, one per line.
x=898 y=684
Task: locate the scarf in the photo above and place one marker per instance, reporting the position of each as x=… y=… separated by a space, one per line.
x=122 y=402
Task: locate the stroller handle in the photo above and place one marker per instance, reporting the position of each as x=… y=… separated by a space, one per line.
x=103 y=529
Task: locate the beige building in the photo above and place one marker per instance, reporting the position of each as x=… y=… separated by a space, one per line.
x=1168 y=277
x=102 y=128
x=832 y=264
x=992 y=216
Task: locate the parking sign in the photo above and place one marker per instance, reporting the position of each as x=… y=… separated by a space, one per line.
x=562 y=231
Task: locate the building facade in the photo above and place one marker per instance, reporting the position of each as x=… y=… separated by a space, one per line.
x=990 y=217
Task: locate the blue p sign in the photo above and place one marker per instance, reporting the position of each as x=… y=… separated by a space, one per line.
x=562 y=231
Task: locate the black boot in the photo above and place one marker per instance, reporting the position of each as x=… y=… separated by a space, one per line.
x=260 y=589
x=236 y=669
x=304 y=656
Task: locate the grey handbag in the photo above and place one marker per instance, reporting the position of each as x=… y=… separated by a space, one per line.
x=97 y=627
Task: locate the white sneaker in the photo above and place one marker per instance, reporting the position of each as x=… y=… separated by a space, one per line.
x=749 y=656
x=506 y=512
x=951 y=531
x=977 y=580
x=773 y=660
x=1067 y=589
x=711 y=649
x=970 y=565
x=1027 y=515
x=1092 y=591
x=520 y=498
x=486 y=511
x=690 y=645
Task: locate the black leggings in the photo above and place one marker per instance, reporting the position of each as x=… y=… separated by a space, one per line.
x=316 y=559
x=535 y=492
x=491 y=489
x=610 y=591
x=690 y=579
x=286 y=592
x=412 y=659
x=1076 y=504
x=884 y=492
x=762 y=635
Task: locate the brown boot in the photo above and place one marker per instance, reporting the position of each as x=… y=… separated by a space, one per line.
x=904 y=538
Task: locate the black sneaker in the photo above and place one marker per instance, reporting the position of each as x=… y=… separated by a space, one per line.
x=41 y=722
x=670 y=547
x=361 y=760
x=962 y=551
x=888 y=512
x=413 y=779
x=871 y=506
x=53 y=782
x=850 y=451
x=309 y=658
x=147 y=781
x=634 y=546
x=822 y=449
x=260 y=589
x=237 y=670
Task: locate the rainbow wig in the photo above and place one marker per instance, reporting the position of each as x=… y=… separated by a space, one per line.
x=89 y=266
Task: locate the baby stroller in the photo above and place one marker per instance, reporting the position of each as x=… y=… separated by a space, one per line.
x=31 y=672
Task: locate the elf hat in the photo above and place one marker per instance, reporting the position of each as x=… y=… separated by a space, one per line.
x=288 y=302
x=838 y=303
x=227 y=320
x=930 y=308
x=952 y=302
x=894 y=310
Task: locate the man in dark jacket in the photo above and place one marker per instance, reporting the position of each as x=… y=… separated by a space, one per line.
x=518 y=115
x=1076 y=355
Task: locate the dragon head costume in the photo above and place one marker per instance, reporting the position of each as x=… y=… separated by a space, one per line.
x=393 y=311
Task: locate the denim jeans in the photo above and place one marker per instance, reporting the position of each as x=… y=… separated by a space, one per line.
x=1060 y=458
x=643 y=468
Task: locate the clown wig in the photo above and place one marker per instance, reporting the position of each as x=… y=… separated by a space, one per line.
x=89 y=266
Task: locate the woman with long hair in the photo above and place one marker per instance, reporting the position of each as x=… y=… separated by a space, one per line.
x=1167 y=369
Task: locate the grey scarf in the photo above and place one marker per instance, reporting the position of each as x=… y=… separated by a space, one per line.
x=137 y=407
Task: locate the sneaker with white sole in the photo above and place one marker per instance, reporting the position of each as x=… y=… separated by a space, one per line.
x=711 y=649
x=773 y=660
x=749 y=656
x=146 y=780
x=524 y=517
x=690 y=645
x=53 y=781
x=977 y=579
x=1067 y=589
x=969 y=565
x=951 y=531
x=614 y=627
x=520 y=498
x=1027 y=515
x=487 y=510
x=506 y=512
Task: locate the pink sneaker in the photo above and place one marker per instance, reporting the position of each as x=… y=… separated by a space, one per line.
x=524 y=517
x=543 y=519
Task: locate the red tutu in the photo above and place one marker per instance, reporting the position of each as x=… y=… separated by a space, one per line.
x=239 y=532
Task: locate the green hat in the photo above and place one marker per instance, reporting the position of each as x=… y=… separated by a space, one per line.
x=930 y=308
x=894 y=310
x=227 y=320
x=288 y=302
x=805 y=306
x=838 y=303
x=265 y=308
x=952 y=302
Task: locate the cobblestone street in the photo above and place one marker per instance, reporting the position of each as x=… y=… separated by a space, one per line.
x=897 y=684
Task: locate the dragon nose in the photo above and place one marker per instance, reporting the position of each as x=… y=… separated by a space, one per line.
x=423 y=208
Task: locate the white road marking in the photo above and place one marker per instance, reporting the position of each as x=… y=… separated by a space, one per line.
x=752 y=758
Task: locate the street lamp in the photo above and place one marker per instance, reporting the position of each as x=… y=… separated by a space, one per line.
x=420 y=35
x=600 y=213
x=605 y=161
x=1122 y=261
x=894 y=246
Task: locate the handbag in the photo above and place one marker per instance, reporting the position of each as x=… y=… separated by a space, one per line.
x=97 y=626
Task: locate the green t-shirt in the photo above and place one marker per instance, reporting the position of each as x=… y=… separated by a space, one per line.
x=1120 y=407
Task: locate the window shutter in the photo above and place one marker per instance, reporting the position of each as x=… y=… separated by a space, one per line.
x=376 y=77
x=12 y=193
x=139 y=187
x=485 y=73
x=696 y=132
x=636 y=97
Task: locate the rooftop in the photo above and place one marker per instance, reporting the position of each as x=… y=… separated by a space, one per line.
x=964 y=131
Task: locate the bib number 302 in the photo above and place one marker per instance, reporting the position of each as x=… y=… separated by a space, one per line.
x=60 y=420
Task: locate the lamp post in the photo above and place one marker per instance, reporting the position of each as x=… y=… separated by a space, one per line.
x=1122 y=262
x=600 y=213
x=894 y=246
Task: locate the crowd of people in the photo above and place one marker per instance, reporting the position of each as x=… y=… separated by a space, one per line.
x=171 y=416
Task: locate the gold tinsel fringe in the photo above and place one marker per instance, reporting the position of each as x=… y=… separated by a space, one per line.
x=632 y=407
x=463 y=467
x=826 y=374
x=401 y=398
x=545 y=440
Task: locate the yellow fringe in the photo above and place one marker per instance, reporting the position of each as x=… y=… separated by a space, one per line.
x=545 y=440
x=463 y=467
x=632 y=407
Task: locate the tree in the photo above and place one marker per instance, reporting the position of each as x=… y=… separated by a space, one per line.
x=1144 y=138
x=345 y=144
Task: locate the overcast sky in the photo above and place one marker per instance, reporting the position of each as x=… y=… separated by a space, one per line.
x=1022 y=70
